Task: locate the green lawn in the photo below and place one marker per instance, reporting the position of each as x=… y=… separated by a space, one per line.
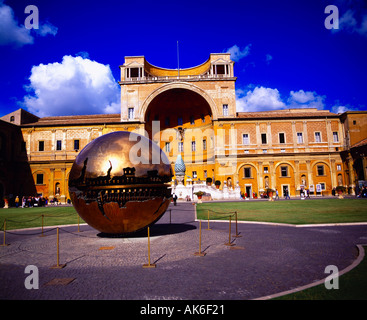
x=310 y=211
x=19 y=218
x=352 y=286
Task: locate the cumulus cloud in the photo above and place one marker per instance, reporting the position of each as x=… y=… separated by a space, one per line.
x=268 y=99
x=237 y=54
x=13 y=33
x=75 y=86
x=259 y=99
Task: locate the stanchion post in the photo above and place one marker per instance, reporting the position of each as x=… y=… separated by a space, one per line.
x=42 y=235
x=236 y=235
x=208 y=222
x=229 y=240
x=149 y=265
x=4 y=241
x=201 y=254
x=58 y=265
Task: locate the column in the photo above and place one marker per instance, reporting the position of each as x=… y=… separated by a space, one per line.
x=51 y=186
x=296 y=175
x=309 y=173
x=351 y=173
x=260 y=176
x=272 y=175
x=63 y=185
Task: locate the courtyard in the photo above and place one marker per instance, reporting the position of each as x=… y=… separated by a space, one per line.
x=266 y=260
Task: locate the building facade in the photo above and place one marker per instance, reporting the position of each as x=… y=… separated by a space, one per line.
x=192 y=113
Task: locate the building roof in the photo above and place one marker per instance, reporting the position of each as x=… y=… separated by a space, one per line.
x=360 y=143
x=287 y=113
x=74 y=120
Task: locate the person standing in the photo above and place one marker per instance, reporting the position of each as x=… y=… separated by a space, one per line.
x=286 y=193
x=276 y=194
x=17 y=202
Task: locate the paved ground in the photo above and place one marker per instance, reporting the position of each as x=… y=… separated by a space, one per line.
x=268 y=259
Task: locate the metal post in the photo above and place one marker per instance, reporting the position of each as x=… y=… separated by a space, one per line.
x=236 y=235
x=149 y=265
x=58 y=265
x=4 y=242
x=201 y=254
x=229 y=240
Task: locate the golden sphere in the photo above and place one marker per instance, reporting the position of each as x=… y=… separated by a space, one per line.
x=119 y=183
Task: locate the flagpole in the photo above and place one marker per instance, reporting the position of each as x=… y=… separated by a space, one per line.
x=178 y=60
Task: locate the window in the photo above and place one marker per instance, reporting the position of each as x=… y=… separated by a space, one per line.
x=265 y=151
x=335 y=137
x=58 y=145
x=225 y=109
x=299 y=137
x=41 y=146
x=263 y=138
x=180 y=146
x=338 y=167
x=193 y=146
x=131 y=113
x=322 y=186
x=39 y=178
x=76 y=144
x=320 y=170
x=317 y=137
x=204 y=144
x=284 y=171
x=266 y=169
x=194 y=174
x=179 y=121
x=192 y=120
x=205 y=174
x=282 y=150
x=167 y=146
x=247 y=172
x=354 y=122
x=245 y=138
x=281 y=138
x=12 y=119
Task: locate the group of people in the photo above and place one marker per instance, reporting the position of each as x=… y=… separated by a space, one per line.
x=361 y=193
x=28 y=202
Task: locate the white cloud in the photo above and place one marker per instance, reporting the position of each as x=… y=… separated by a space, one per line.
x=13 y=33
x=305 y=99
x=259 y=99
x=351 y=22
x=74 y=86
x=267 y=99
x=10 y=31
x=237 y=54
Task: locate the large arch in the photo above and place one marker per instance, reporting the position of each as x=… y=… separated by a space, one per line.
x=178 y=85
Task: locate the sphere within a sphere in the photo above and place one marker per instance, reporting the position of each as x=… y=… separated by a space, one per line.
x=119 y=183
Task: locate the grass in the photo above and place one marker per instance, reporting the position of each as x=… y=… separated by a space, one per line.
x=19 y=218
x=352 y=286
x=289 y=211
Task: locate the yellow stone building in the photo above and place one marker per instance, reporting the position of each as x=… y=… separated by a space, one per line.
x=192 y=112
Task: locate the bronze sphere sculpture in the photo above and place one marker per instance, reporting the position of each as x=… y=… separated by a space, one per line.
x=119 y=183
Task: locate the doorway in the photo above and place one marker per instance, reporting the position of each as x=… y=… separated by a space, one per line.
x=249 y=191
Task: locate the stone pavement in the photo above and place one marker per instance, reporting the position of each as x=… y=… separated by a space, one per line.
x=267 y=259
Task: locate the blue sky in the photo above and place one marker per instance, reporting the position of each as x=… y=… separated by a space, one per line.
x=285 y=56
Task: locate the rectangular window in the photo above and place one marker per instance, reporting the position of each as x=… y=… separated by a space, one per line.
x=320 y=170
x=76 y=144
x=225 y=110
x=281 y=138
x=131 y=113
x=335 y=137
x=180 y=146
x=299 y=137
x=245 y=138
x=247 y=172
x=284 y=171
x=194 y=174
x=339 y=167
x=167 y=146
x=193 y=146
x=263 y=138
x=205 y=174
x=204 y=144
x=39 y=178
x=322 y=186
x=58 y=145
x=266 y=169
x=41 y=146
x=317 y=137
